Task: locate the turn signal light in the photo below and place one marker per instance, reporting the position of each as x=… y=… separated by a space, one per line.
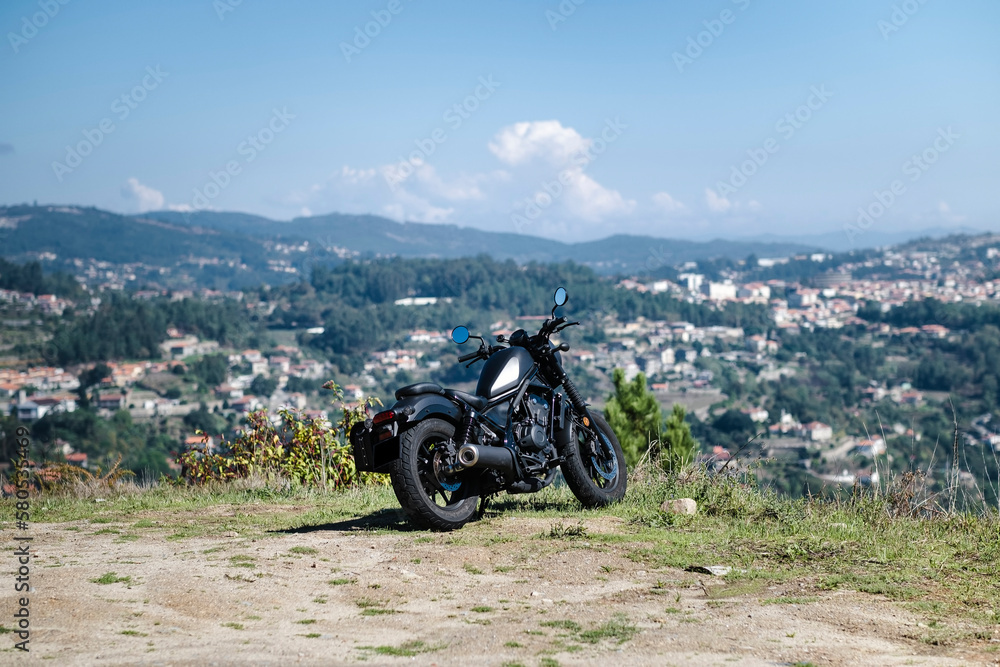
x=586 y=421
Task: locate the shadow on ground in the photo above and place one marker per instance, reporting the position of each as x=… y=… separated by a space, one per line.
x=384 y=519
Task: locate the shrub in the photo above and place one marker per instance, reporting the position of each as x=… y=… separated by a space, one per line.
x=310 y=452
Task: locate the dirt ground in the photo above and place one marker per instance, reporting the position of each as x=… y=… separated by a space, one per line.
x=338 y=594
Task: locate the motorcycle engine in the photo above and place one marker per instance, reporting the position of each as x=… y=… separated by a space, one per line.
x=531 y=432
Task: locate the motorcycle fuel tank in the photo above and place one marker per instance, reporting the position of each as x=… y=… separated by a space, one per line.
x=504 y=371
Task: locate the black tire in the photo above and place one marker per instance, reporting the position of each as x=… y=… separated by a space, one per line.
x=419 y=489
x=582 y=475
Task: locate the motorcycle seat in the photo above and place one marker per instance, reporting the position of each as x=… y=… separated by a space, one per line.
x=419 y=388
x=477 y=402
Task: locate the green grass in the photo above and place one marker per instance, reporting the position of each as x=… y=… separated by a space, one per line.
x=482 y=609
x=405 y=650
x=133 y=633
x=303 y=550
x=378 y=611
x=241 y=560
x=558 y=531
x=372 y=607
x=950 y=560
x=471 y=569
x=572 y=626
x=789 y=600
x=341 y=581
x=234 y=626
x=617 y=629
x=306 y=621
x=111 y=578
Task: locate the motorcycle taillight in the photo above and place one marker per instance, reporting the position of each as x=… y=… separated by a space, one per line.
x=388 y=415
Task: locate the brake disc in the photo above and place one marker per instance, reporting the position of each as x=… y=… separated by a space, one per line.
x=614 y=461
x=439 y=477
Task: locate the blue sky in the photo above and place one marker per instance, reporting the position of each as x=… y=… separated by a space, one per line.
x=306 y=125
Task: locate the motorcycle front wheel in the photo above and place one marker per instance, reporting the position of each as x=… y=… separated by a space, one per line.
x=595 y=471
x=431 y=498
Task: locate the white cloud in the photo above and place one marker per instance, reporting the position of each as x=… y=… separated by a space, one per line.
x=946 y=213
x=716 y=203
x=540 y=159
x=353 y=176
x=666 y=203
x=142 y=197
x=462 y=188
x=547 y=139
x=591 y=201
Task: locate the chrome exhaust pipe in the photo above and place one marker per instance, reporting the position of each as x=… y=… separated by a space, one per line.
x=495 y=458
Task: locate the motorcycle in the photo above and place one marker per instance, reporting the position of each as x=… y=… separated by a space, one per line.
x=448 y=451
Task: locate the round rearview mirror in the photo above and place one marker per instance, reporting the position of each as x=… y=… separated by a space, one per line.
x=460 y=335
x=561 y=297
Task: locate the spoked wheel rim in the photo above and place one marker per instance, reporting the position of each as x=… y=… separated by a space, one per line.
x=440 y=488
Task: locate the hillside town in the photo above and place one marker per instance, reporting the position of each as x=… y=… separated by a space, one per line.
x=683 y=363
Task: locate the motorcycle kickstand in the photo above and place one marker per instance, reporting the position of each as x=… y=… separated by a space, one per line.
x=484 y=503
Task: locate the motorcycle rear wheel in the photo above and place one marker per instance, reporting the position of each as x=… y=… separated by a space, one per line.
x=588 y=476
x=431 y=499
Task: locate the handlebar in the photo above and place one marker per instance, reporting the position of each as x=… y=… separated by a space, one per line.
x=547 y=329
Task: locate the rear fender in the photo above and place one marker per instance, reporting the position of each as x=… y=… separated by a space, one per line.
x=376 y=446
x=424 y=406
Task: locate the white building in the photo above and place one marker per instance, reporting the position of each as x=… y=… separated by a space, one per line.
x=724 y=291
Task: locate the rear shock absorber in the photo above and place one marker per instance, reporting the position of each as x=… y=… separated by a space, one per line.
x=465 y=429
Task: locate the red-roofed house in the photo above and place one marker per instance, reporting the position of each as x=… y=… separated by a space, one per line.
x=77 y=459
x=111 y=401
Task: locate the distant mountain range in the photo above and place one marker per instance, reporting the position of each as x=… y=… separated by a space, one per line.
x=169 y=238
x=870 y=238
x=368 y=235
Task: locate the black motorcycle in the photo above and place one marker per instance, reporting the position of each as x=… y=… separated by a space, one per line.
x=448 y=451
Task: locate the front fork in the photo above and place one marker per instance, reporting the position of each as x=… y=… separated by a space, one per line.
x=580 y=407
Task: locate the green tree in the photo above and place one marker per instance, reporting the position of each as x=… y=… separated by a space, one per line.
x=263 y=386
x=678 y=446
x=211 y=369
x=88 y=379
x=633 y=414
